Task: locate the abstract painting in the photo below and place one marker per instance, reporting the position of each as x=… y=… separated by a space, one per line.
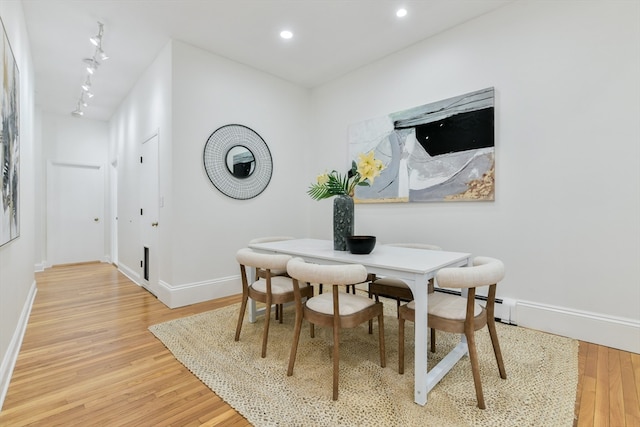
x=9 y=144
x=443 y=151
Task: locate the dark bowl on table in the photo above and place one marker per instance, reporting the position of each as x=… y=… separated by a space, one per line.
x=361 y=245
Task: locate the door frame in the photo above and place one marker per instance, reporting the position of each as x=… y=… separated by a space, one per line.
x=149 y=233
x=48 y=201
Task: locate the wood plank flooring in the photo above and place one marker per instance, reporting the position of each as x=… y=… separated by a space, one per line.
x=88 y=359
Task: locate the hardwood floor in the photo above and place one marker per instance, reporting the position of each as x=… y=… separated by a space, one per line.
x=608 y=392
x=88 y=359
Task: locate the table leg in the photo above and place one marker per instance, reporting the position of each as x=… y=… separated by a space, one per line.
x=253 y=311
x=421 y=333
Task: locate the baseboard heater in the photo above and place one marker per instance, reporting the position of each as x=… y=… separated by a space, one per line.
x=504 y=310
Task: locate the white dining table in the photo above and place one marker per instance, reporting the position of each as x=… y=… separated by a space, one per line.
x=413 y=266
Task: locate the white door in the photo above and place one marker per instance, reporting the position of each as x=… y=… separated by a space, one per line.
x=75 y=213
x=149 y=211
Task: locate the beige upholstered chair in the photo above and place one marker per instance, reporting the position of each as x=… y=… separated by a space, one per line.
x=457 y=314
x=267 y=288
x=281 y=272
x=335 y=310
x=268 y=239
x=389 y=287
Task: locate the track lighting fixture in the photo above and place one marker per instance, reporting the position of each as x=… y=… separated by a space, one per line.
x=103 y=56
x=78 y=111
x=91 y=67
x=92 y=64
x=97 y=39
x=87 y=84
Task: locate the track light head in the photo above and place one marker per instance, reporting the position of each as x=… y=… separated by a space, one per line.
x=103 y=56
x=92 y=64
x=87 y=84
x=77 y=112
x=97 y=39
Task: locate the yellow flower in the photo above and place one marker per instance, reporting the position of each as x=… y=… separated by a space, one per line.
x=369 y=167
x=323 y=179
x=334 y=183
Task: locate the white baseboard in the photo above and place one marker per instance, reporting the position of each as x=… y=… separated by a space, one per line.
x=130 y=273
x=610 y=331
x=174 y=296
x=10 y=357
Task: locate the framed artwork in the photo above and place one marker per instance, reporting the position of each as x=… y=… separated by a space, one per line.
x=443 y=151
x=9 y=143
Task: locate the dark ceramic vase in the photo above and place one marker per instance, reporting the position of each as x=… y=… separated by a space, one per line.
x=342 y=221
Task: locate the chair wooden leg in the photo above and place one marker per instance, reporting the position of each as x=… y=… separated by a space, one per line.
x=433 y=340
x=400 y=345
x=370 y=320
x=294 y=343
x=496 y=347
x=265 y=333
x=243 y=308
x=475 y=367
x=336 y=358
x=383 y=352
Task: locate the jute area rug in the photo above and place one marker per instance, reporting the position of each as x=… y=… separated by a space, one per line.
x=540 y=388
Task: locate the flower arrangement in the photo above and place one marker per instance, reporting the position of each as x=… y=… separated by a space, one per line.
x=334 y=184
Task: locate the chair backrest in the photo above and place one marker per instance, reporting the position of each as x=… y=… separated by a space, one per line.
x=485 y=271
x=268 y=239
x=416 y=246
x=347 y=274
x=248 y=257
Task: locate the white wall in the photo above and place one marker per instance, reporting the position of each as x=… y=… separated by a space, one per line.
x=200 y=228
x=210 y=92
x=17 y=283
x=566 y=215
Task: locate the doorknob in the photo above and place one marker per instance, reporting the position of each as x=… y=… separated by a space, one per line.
x=96 y=219
x=154 y=224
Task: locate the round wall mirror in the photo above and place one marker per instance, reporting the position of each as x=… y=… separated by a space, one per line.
x=240 y=161
x=237 y=161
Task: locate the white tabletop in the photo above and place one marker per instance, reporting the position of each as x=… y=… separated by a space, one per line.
x=396 y=261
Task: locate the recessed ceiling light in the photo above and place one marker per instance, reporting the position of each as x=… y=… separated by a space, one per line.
x=400 y=13
x=286 y=34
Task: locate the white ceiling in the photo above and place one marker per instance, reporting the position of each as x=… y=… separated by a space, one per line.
x=331 y=38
